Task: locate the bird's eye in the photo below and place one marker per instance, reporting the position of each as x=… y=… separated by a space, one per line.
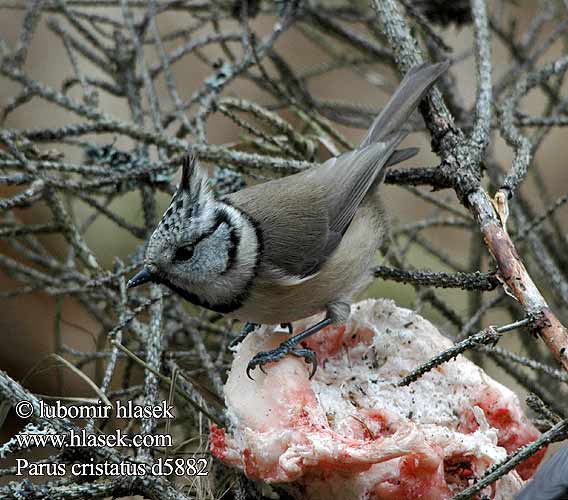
x=184 y=253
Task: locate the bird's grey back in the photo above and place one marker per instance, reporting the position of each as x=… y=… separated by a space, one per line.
x=303 y=217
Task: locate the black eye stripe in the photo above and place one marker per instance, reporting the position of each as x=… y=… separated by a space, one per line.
x=187 y=250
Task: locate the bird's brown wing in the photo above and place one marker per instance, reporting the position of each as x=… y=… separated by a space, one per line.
x=303 y=217
x=293 y=223
x=350 y=176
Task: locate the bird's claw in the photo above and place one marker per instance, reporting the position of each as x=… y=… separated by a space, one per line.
x=262 y=358
x=309 y=357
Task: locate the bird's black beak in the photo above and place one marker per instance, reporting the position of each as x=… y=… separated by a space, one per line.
x=143 y=276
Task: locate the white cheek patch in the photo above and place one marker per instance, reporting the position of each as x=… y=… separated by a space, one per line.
x=211 y=255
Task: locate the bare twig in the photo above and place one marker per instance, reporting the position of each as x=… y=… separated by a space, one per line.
x=149 y=348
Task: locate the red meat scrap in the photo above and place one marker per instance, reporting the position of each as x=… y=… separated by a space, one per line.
x=514 y=429
x=350 y=432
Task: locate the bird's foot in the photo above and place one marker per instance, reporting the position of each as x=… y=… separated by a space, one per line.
x=288 y=326
x=288 y=347
x=264 y=357
x=248 y=328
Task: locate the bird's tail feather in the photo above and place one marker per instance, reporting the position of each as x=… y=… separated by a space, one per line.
x=414 y=86
x=401 y=155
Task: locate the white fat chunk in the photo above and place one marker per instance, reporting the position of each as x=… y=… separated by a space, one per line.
x=351 y=432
